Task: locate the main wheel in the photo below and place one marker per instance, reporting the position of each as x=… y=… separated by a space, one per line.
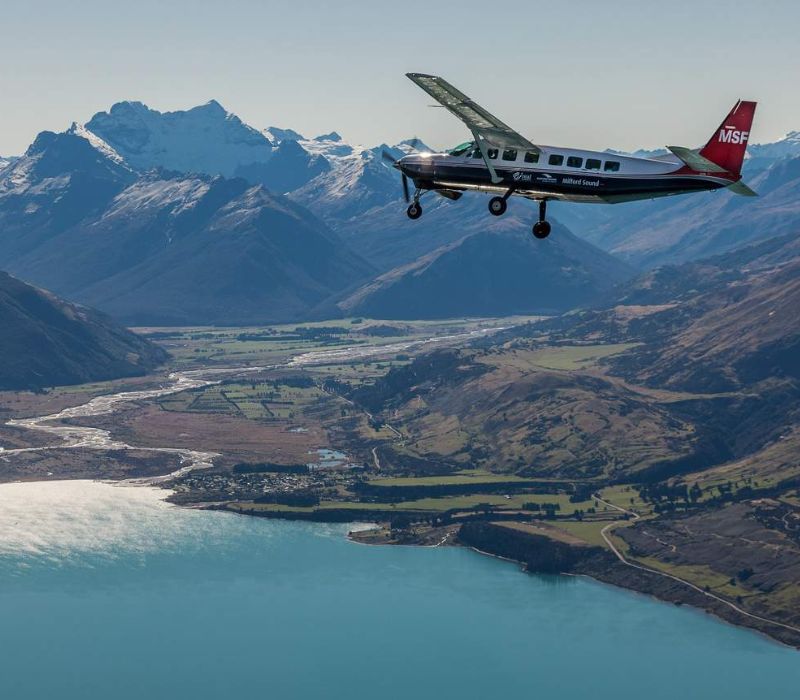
x=497 y=206
x=541 y=229
x=414 y=210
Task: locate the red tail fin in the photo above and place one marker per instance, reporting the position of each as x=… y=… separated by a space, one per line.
x=727 y=146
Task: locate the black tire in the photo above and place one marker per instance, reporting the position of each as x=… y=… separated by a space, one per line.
x=541 y=229
x=414 y=211
x=497 y=206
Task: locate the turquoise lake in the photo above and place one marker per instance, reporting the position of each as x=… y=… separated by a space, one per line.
x=108 y=592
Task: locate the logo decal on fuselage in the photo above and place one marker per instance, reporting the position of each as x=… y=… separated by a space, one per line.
x=522 y=177
x=582 y=182
x=730 y=134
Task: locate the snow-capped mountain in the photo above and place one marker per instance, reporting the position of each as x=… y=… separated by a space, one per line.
x=61 y=179
x=193 y=216
x=787 y=147
x=161 y=246
x=205 y=139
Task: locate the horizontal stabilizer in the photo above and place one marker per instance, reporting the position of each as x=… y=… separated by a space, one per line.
x=739 y=187
x=695 y=161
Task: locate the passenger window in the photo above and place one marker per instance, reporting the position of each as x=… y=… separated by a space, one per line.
x=592 y=164
x=509 y=154
x=477 y=153
x=611 y=166
x=531 y=157
x=556 y=160
x=492 y=153
x=574 y=162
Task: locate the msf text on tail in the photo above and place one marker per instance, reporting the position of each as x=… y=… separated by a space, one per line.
x=501 y=162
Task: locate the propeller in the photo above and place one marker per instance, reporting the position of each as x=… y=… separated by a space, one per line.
x=389 y=158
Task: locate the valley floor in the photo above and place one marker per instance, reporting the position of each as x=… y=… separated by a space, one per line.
x=448 y=456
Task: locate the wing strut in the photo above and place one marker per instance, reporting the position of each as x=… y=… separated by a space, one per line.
x=485 y=155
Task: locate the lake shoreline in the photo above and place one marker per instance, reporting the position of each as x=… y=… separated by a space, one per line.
x=602 y=566
x=588 y=561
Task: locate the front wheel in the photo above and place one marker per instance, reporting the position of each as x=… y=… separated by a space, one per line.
x=541 y=229
x=414 y=211
x=497 y=206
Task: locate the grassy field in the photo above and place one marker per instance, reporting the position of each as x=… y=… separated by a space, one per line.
x=544 y=529
x=626 y=497
x=587 y=530
x=254 y=400
x=562 y=357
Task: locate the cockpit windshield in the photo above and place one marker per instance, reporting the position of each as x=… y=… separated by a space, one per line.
x=462 y=149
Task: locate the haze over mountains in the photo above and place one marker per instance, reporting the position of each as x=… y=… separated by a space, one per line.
x=195 y=217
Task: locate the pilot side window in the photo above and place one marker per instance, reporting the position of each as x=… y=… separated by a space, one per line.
x=556 y=160
x=592 y=164
x=574 y=162
x=477 y=153
x=611 y=166
x=531 y=157
x=509 y=154
x=492 y=153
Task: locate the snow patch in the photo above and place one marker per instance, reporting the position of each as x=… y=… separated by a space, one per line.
x=96 y=142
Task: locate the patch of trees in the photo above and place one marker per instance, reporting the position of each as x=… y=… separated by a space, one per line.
x=582 y=492
x=293 y=499
x=549 y=509
x=668 y=498
x=385 y=331
x=318 y=333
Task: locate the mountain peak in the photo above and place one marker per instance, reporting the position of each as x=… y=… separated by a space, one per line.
x=277 y=135
x=204 y=139
x=212 y=107
x=332 y=136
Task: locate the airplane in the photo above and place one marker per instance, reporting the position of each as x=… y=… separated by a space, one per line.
x=502 y=162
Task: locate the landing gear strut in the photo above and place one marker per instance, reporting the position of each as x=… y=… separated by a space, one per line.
x=541 y=229
x=414 y=210
x=498 y=205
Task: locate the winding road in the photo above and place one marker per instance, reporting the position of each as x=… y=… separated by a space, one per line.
x=708 y=594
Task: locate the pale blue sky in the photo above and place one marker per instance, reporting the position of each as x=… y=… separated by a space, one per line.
x=618 y=73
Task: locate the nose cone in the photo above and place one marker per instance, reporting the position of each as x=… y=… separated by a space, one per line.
x=414 y=165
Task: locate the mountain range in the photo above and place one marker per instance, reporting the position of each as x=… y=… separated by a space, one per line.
x=163 y=247
x=195 y=217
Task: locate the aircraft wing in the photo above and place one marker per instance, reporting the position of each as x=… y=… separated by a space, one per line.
x=477 y=119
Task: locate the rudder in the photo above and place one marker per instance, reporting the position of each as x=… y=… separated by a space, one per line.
x=727 y=146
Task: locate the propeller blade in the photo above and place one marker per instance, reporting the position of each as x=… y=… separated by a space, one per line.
x=405 y=189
